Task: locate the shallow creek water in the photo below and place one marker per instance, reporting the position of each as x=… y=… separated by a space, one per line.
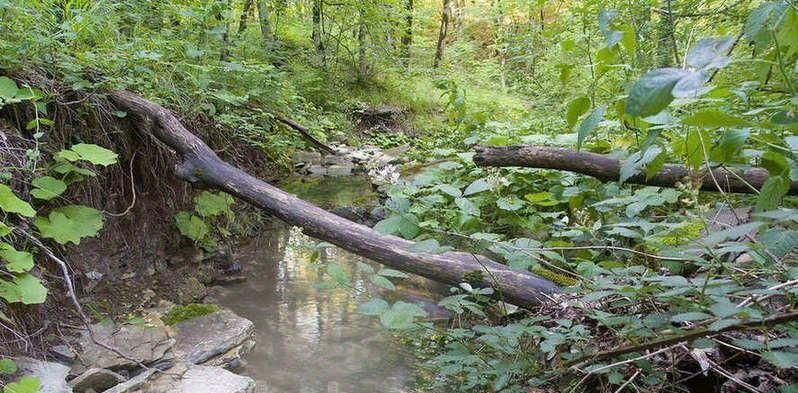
x=312 y=340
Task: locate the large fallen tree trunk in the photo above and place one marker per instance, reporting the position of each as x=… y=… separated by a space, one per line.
x=201 y=164
x=606 y=168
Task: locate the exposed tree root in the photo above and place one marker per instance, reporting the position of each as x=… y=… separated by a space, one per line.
x=201 y=164
x=606 y=168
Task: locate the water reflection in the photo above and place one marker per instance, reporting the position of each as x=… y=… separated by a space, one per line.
x=310 y=340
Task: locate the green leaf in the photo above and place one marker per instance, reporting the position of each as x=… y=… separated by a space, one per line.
x=8 y=88
x=589 y=124
x=781 y=359
x=16 y=261
x=467 y=207
x=26 y=384
x=70 y=223
x=401 y=316
x=694 y=149
x=11 y=204
x=95 y=154
x=772 y=192
x=25 y=288
x=4 y=229
x=388 y=226
x=450 y=190
x=476 y=186
x=690 y=316
x=775 y=163
x=374 y=306
x=511 y=203
x=7 y=366
x=577 y=107
x=191 y=226
x=381 y=282
x=408 y=226
x=208 y=204
x=47 y=187
x=639 y=161
x=710 y=53
x=713 y=118
x=653 y=91
x=766 y=18
x=779 y=242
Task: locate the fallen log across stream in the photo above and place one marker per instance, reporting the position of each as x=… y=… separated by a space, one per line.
x=201 y=164
x=607 y=168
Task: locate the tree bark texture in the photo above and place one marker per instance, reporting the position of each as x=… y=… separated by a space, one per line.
x=242 y=23
x=263 y=19
x=407 y=38
x=201 y=164
x=606 y=168
x=446 y=14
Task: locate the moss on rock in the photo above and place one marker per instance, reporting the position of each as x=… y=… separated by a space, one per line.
x=182 y=313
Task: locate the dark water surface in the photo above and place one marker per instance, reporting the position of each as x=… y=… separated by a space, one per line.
x=312 y=340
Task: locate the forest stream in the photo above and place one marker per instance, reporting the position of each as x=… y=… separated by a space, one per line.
x=311 y=339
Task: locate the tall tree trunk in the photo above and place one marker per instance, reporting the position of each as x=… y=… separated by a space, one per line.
x=318 y=41
x=445 y=17
x=242 y=24
x=263 y=19
x=362 y=61
x=224 y=54
x=666 y=39
x=407 y=38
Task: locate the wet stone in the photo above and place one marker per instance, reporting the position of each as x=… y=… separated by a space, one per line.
x=205 y=337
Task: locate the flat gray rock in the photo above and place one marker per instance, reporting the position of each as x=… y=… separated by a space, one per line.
x=143 y=343
x=52 y=376
x=202 y=338
x=189 y=378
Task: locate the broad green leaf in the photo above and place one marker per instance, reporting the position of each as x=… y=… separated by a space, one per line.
x=694 y=148
x=766 y=18
x=577 y=107
x=25 y=288
x=467 y=207
x=713 y=118
x=26 y=384
x=70 y=224
x=477 y=186
x=208 y=204
x=775 y=163
x=639 y=161
x=4 y=229
x=543 y=198
x=730 y=147
x=374 y=306
x=710 y=53
x=511 y=203
x=7 y=366
x=16 y=261
x=47 y=187
x=590 y=123
x=772 y=192
x=11 y=204
x=191 y=226
x=779 y=242
x=653 y=91
x=408 y=226
x=450 y=190
x=401 y=316
x=388 y=226
x=8 y=88
x=781 y=359
x=337 y=273
x=497 y=140
x=95 y=154
x=381 y=282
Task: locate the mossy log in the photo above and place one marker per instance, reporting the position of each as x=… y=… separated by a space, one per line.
x=201 y=164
